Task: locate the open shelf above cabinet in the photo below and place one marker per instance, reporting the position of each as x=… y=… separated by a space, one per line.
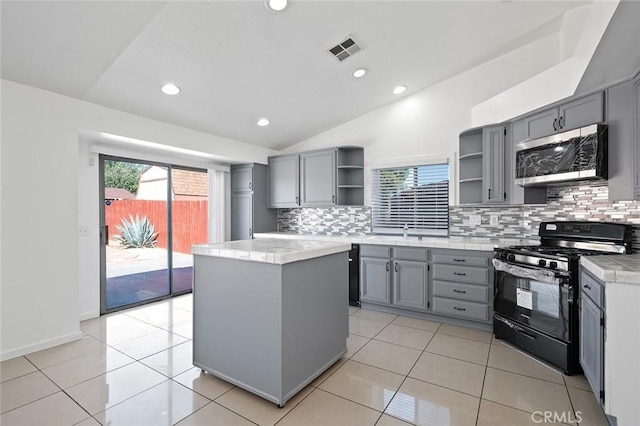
x=350 y=176
x=471 y=156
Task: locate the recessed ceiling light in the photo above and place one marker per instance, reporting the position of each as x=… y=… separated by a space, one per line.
x=359 y=72
x=276 y=5
x=170 y=89
x=263 y=122
x=399 y=89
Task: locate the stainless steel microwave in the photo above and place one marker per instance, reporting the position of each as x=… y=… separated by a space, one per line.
x=576 y=155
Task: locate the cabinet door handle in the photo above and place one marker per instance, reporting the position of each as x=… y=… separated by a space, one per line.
x=555 y=124
x=395 y=267
x=459 y=309
x=587 y=286
x=455 y=290
x=250 y=232
x=461 y=274
x=459 y=260
x=561 y=123
x=333 y=199
x=298 y=200
x=387 y=266
x=489 y=196
x=250 y=185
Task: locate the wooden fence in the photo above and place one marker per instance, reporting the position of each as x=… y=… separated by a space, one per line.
x=189 y=220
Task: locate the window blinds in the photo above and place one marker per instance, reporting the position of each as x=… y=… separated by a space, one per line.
x=417 y=196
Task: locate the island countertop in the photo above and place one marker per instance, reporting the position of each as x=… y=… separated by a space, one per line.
x=271 y=250
x=461 y=243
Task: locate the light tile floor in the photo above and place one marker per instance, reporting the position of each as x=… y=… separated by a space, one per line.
x=134 y=368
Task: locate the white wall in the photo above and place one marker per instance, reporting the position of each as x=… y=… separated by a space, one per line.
x=49 y=275
x=559 y=81
x=428 y=123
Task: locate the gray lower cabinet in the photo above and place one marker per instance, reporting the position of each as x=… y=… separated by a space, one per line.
x=566 y=116
x=462 y=282
x=270 y=329
x=394 y=276
x=592 y=328
x=446 y=282
x=374 y=280
x=318 y=178
x=250 y=210
x=284 y=181
x=410 y=284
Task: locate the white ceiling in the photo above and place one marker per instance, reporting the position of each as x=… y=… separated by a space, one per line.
x=236 y=62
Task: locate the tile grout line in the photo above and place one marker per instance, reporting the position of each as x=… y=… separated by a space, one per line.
x=406 y=376
x=484 y=378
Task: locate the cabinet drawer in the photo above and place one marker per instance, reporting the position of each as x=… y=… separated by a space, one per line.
x=452 y=290
x=418 y=254
x=592 y=288
x=477 y=311
x=460 y=259
x=465 y=274
x=375 y=251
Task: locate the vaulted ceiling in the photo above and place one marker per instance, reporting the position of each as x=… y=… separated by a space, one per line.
x=236 y=61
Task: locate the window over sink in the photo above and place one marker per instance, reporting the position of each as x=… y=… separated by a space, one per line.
x=414 y=196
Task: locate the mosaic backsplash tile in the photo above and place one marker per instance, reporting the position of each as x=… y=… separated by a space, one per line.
x=581 y=202
x=348 y=220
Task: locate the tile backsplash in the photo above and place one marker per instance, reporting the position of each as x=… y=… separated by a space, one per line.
x=348 y=220
x=580 y=202
x=583 y=202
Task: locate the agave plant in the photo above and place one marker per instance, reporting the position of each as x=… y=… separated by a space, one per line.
x=136 y=233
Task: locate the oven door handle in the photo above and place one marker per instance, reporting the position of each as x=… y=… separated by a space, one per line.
x=537 y=274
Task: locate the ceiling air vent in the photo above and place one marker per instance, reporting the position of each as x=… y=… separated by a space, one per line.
x=347 y=48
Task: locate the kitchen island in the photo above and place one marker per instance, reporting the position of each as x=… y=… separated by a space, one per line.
x=270 y=315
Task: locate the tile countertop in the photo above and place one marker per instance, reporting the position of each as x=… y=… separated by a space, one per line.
x=271 y=250
x=614 y=268
x=485 y=244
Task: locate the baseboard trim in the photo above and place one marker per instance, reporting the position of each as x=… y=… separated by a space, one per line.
x=89 y=315
x=45 y=344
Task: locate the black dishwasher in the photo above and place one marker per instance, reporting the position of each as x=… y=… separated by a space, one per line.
x=354 y=275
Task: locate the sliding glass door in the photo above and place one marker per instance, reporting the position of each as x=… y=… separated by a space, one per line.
x=151 y=215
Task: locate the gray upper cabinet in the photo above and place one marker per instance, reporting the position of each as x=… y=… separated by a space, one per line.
x=242 y=178
x=284 y=181
x=318 y=178
x=322 y=178
x=581 y=112
x=493 y=181
x=623 y=118
x=566 y=116
x=544 y=123
x=250 y=210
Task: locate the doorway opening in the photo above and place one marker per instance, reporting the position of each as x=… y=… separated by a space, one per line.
x=150 y=216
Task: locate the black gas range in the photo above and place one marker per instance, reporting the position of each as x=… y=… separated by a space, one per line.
x=536 y=291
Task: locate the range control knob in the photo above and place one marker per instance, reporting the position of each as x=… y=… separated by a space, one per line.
x=511 y=257
x=503 y=255
x=542 y=262
x=553 y=265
